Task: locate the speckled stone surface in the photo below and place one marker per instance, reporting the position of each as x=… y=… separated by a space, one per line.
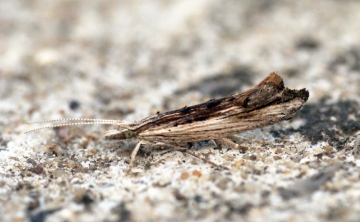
x=127 y=60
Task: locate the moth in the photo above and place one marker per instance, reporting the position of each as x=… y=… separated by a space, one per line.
x=267 y=103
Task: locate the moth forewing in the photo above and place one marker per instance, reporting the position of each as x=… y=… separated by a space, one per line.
x=215 y=128
x=267 y=103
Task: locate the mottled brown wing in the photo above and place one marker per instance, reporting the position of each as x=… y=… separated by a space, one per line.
x=223 y=126
x=264 y=104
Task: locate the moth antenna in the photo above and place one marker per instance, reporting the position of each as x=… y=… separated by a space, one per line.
x=74 y=120
x=78 y=123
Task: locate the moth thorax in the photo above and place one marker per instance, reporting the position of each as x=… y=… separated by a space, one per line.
x=120 y=135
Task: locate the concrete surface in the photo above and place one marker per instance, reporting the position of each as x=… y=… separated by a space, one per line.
x=127 y=60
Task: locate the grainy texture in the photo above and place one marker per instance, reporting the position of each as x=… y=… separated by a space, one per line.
x=357 y=148
x=127 y=60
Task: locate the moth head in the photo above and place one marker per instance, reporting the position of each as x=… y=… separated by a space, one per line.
x=120 y=135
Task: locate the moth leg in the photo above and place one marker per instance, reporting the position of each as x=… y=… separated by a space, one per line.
x=228 y=142
x=217 y=145
x=133 y=155
x=184 y=150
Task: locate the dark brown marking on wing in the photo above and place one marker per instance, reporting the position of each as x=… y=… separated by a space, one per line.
x=245 y=102
x=189 y=119
x=200 y=118
x=184 y=110
x=212 y=103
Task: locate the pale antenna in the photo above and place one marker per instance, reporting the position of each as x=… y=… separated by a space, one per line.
x=77 y=121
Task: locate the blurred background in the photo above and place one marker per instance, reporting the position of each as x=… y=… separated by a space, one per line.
x=129 y=59
x=101 y=52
